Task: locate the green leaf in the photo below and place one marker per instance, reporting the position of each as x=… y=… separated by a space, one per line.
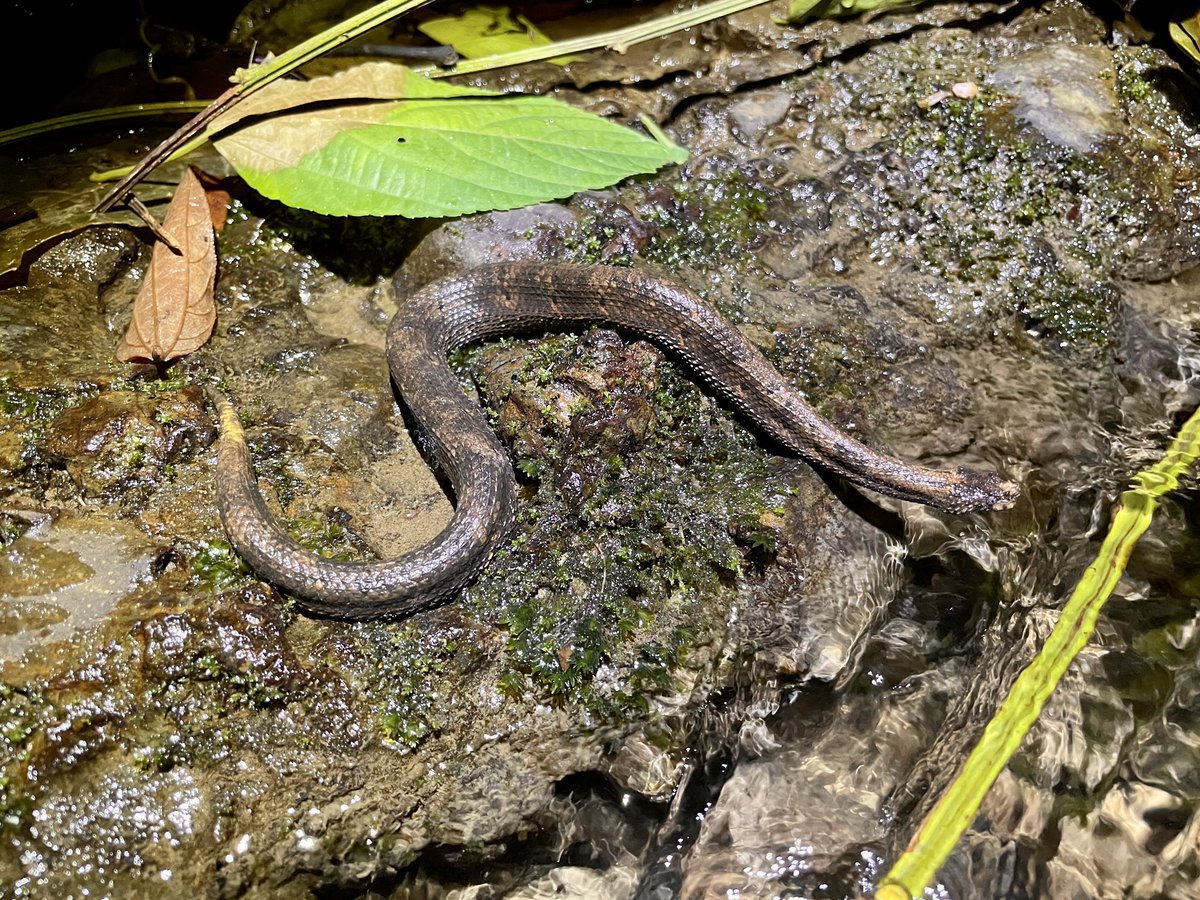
x=437 y=157
x=799 y=10
x=486 y=30
x=368 y=81
x=1186 y=34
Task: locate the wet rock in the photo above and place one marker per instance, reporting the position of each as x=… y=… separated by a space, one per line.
x=100 y=258
x=720 y=57
x=534 y=232
x=820 y=638
x=54 y=330
x=644 y=769
x=13 y=450
x=21 y=615
x=693 y=667
x=323 y=407
x=57 y=344
x=1062 y=93
x=54 y=338
x=581 y=882
x=122 y=438
x=65 y=575
x=243 y=641
x=753 y=116
x=1138 y=835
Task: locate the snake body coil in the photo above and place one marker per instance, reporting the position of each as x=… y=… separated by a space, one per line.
x=512 y=298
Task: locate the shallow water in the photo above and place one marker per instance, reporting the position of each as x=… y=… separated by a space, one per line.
x=63 y=577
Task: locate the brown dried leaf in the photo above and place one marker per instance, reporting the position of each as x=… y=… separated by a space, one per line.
x=174 y=312
x=218 y=208
x=217 y=189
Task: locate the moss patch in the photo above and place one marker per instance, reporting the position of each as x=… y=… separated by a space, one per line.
x=630 y=544
x=405 y=672
x=216 y=566
x=1046 y=225
x=705 y=221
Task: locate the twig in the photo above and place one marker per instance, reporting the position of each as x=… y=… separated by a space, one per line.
x=143 y=213
x=160 y=153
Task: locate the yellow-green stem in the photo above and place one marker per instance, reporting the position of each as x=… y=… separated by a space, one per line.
x=935 y=838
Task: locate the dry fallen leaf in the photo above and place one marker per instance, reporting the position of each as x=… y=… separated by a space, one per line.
x=368 y=81
x=174 y=312
x=217 y=189
x=933 y=99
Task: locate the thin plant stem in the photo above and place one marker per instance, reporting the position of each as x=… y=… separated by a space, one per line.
x=250 y=80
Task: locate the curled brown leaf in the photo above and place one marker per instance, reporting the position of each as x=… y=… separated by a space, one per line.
x=174 y=312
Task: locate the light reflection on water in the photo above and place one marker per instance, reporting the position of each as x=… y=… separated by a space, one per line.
x=1101 y=800
x=63 y=576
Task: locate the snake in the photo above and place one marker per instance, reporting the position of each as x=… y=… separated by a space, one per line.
x=501 y=299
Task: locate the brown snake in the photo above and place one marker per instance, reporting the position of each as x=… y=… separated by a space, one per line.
x=512 y=298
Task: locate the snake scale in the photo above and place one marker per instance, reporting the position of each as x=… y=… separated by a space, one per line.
x=509 y=298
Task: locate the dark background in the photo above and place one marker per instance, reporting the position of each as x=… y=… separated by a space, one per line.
x=50 y=44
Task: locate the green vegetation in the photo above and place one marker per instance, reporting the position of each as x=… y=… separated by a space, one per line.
x=406 y=664
x=323 y=536
x=1043 y=213
x=630 y=548
x=711 y=221
x=17 y=401
x=217 y=567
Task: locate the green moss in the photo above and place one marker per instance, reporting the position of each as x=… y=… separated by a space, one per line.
x=131 y=452
x=1073 y=312
x=406 y=665
x=1155 y=98
x=530 y=468
x=711 y=220
x=1132 y=83
x=605 y=590
x=321 y=535
x=593 y=245
x=217 y=567
x=1046 y=226
x=270 y=464
x=174 y=378
x=236 y=688
x=10 y=529
x=705 y=223
x=251 y=691
x=27 y=412
x=16 y=401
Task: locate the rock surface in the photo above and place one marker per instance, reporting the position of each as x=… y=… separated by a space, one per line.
x=696 y=670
